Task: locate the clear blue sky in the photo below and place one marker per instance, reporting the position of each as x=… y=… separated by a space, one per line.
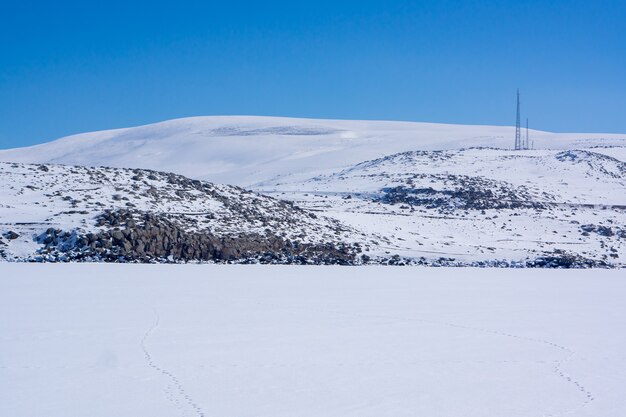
x=68 y=67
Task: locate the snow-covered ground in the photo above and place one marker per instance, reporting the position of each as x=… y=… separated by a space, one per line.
x=36 y=198
x=245 y=150
x=416 y=190
x=477 y=203
x=206 y=340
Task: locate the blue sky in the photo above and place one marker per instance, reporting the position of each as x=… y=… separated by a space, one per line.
x=69 y=67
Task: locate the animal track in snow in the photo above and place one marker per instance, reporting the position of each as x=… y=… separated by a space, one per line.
x=175 y=392
x=557 y=364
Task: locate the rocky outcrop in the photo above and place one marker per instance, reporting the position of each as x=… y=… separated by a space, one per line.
x=131 y=236
x=549 y=260
x=465 y=196
x=601 y=230
x=11 y=235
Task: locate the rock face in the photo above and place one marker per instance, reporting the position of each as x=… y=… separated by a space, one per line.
x=131 y=236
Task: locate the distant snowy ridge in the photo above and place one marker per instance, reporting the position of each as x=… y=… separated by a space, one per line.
x=248 y=150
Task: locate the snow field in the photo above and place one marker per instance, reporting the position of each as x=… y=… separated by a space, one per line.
x=209 y=340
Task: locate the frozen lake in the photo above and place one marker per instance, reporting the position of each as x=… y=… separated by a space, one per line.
x=105 y=340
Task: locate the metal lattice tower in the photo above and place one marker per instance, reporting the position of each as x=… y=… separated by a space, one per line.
x=527 y=144
x=518 y=133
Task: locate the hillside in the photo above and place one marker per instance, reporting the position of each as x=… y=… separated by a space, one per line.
x=55 y=212
x=245 y=150
x=479 y=204
x=317 y=191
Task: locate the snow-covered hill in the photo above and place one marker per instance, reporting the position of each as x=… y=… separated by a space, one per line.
x=399 y=190
x=446 y=208
x=52 y=212
x=478 y=204
x=244 y=150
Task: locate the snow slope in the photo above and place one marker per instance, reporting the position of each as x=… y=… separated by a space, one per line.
x=40 y=202
x=245 y=150
x=477 y=204
x=200 y=340
x=411 y=189
x=487 y=206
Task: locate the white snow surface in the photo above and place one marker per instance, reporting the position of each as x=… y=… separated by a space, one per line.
x=578 y=187
x=341 y=169
x=246 y=150
x=105 y=340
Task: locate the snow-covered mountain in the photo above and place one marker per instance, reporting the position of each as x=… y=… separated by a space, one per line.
x=392 y=191
x=245 y=150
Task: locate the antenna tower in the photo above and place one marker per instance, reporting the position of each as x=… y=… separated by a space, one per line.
x=527 y=146
x=518 y=136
